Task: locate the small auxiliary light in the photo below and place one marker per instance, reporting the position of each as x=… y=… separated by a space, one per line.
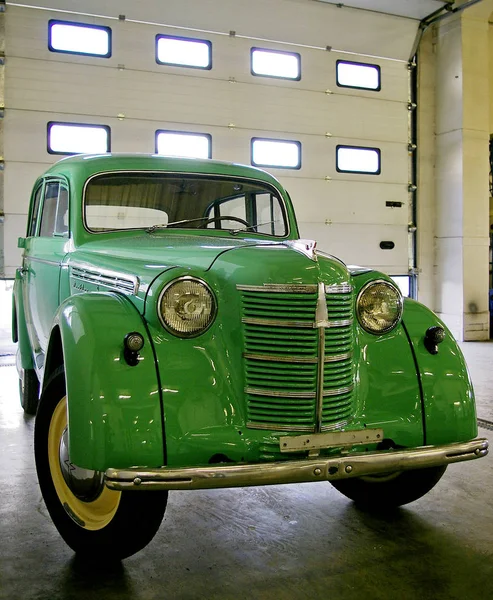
x=434 y=336
x=132 y=345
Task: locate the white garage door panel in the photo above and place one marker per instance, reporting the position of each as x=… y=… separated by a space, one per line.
x=226 y=102
x=52 y=87
x=18 y=183
x=296 y=21
x=15 y=227
x=339 y=241
x=344 y=202
x=133 y=47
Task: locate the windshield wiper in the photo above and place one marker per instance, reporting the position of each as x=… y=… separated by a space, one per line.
x=236 y=231
x=166 y=225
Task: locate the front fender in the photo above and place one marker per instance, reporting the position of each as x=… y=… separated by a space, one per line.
x=114 y=410
x=448 y=396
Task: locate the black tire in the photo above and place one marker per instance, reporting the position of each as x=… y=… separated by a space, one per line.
x=29 y=391
x=108 y=525
x=376 y=493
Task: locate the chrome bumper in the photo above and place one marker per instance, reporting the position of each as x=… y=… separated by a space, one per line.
x=294 y=471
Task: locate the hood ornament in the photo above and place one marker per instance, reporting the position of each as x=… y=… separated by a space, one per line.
x=306 y=247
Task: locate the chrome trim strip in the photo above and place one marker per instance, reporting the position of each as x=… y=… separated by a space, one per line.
x=296 y=288
x=278 y=323
x=112 y=279
x=342 y=466
x=298 y=359
x=276 y=427
x=333 y=426
x=280 y=288
x=275 y=394
x=296 y=324
x=44 y=261
x=339 y=289
x=321 y=316
x=336 y=392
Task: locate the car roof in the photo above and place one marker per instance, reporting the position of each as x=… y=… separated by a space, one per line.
x=86 y=165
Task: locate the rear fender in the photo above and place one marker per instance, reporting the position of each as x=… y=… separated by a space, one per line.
x=114 y=409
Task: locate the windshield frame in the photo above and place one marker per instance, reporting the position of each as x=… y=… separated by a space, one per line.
x=267 y=185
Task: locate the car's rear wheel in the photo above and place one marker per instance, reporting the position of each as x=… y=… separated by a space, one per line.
x=94 y=521
x=29 y=390
x=380 y=492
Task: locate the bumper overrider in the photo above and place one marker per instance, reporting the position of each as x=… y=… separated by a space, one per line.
x=316 y=468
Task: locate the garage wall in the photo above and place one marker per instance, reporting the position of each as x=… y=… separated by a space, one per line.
x=131 y=93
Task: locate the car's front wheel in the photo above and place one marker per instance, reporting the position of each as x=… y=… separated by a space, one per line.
x=380 y=492
x=94 y=521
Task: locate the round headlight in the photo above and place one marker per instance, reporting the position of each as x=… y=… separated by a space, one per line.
x=186 y=307
x=379 y=306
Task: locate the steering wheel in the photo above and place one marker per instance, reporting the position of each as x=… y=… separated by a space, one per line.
x=223 y=218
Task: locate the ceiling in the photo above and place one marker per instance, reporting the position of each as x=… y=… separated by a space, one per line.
x=414 y=9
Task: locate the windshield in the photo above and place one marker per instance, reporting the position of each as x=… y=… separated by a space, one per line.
x=151 y=201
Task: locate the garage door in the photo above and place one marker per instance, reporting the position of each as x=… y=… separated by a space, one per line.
x=315 y=94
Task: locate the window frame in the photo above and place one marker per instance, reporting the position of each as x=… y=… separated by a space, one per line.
x=189 y=133
x=360 y=64
x=34 y=208
x=56 y=234
x=51 y=48
x=271 y=51
x=160 y=36
x=50 y=124
x=271 y=166
x=352 y=147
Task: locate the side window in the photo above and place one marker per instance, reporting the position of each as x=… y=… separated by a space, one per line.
x=31 y=230
x=54 y=215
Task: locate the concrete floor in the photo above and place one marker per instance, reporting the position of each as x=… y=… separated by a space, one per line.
x=283 y=542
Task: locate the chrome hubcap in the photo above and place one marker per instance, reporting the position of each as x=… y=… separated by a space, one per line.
x=85 y=484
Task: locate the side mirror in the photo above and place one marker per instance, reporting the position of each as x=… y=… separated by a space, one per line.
x=21 y=242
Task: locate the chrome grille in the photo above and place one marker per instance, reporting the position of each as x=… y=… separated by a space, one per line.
x=282 y=352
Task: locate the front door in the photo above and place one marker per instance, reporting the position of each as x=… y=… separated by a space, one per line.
x=46 y=245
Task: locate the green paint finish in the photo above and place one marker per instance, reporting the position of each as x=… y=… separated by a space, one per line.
x=114 y=409
x=19 y=324
x=186 y=402
x=448 y=396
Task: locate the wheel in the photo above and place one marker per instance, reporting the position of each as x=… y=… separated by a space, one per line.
x=29 y=390
x=94 y=521
x=224 y=218
x=378 y=492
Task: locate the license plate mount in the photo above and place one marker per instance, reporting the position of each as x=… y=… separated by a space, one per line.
x=330 y=439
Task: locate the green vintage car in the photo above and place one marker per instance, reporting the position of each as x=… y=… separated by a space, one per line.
x=184 y=337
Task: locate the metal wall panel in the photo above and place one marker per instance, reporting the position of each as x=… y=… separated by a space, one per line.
x=134 y=95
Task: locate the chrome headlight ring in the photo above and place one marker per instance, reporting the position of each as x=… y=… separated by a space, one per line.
x=379 y=306
x=186 y=307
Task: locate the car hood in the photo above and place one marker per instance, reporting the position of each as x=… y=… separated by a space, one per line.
x=150 y=254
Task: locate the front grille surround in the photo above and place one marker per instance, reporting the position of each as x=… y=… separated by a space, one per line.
x=298 y=377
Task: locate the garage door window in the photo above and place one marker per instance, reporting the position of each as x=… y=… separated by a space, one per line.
x=273 y=63
x=282 y=154
x=183 y=143
x=77 y=138
x=358 y=75
x=79 y=38
x=357 y=159
x=183 y=52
